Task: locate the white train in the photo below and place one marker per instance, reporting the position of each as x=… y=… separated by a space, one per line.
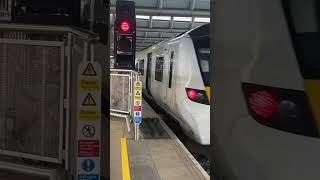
x=267 y=73
x=175 y=75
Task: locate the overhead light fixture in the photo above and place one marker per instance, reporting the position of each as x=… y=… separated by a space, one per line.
x=199 y=19
x=187 y=19
x=142 y=17
x=164 y=18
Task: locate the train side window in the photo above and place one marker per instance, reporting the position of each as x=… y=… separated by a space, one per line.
x=170 y=70
x=159 y=69
x=140 y=66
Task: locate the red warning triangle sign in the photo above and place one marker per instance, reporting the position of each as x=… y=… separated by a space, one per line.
x=89 y=71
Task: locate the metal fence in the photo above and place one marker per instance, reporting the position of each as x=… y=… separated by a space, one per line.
x=31 y=97
x=121 y=87
x=35 y=90
x=5 y=10
x=121 y=92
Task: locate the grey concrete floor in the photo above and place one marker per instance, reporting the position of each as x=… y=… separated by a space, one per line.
x=156 y=156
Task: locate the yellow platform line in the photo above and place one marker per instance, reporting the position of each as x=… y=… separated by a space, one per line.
x=125 y=160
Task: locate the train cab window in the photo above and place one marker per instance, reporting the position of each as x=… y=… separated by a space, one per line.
x=204 y=56
x=201 y=41
x=170 y=70
x=303 y=22
x=159 y=69
x=202 y=47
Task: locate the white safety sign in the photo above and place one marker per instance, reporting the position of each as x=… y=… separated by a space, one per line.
x=89 y=121
x=137 y=102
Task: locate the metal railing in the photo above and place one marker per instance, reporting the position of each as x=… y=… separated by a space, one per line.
x=121 y=93
x=35 y=85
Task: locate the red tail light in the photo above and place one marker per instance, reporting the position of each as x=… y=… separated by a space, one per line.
x=125 y=26
x=196 y=95
x=263 y=103
x=283 y=109
x=192 y=94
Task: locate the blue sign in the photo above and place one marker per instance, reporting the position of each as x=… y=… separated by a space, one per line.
x=137 y=120
x=137 y=114
x=88 y=165
x=88 y=177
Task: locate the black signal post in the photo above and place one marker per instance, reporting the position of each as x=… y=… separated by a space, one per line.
x=125 y=35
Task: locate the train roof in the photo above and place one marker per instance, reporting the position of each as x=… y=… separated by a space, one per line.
x=200 y=31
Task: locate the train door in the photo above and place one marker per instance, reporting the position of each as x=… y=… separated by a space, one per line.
x=170 y=85
x=149 y=70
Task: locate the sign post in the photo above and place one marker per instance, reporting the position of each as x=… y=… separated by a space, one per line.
x=89 y=120
x=137 y=105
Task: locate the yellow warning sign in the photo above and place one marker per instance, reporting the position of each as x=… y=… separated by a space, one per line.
x=89 y=115
x=89 y=71
x=138 y=83
x=89 y=101
x=137 y=97
x=90 y=85
x=137 y=93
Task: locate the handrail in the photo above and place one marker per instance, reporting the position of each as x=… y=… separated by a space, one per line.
x=82 y=33
x=122 y=70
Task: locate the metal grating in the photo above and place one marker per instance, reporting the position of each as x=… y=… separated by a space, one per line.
x=30 y=100
x=5 y=7
x=120 y=88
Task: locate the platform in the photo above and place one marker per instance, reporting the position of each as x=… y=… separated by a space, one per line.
x=157 y=155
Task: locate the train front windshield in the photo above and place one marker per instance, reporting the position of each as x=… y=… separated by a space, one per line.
x=202 y=48
x=201 y=41
x=304 y=23
x=203 y=58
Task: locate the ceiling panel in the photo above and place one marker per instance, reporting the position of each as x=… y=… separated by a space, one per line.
x=164 y=29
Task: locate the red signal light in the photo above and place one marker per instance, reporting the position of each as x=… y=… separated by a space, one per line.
x=125 y=26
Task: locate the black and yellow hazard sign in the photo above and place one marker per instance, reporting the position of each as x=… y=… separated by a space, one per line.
x=90 y=85
x=138 y=93
x=89 y=70
x=89 y=101
x=138 y=85
x=89 y=115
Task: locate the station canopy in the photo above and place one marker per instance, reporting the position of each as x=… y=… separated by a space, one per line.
x=158 y=20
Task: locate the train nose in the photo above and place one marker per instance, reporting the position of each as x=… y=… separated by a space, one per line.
x=202 y=131
x=197 y=117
